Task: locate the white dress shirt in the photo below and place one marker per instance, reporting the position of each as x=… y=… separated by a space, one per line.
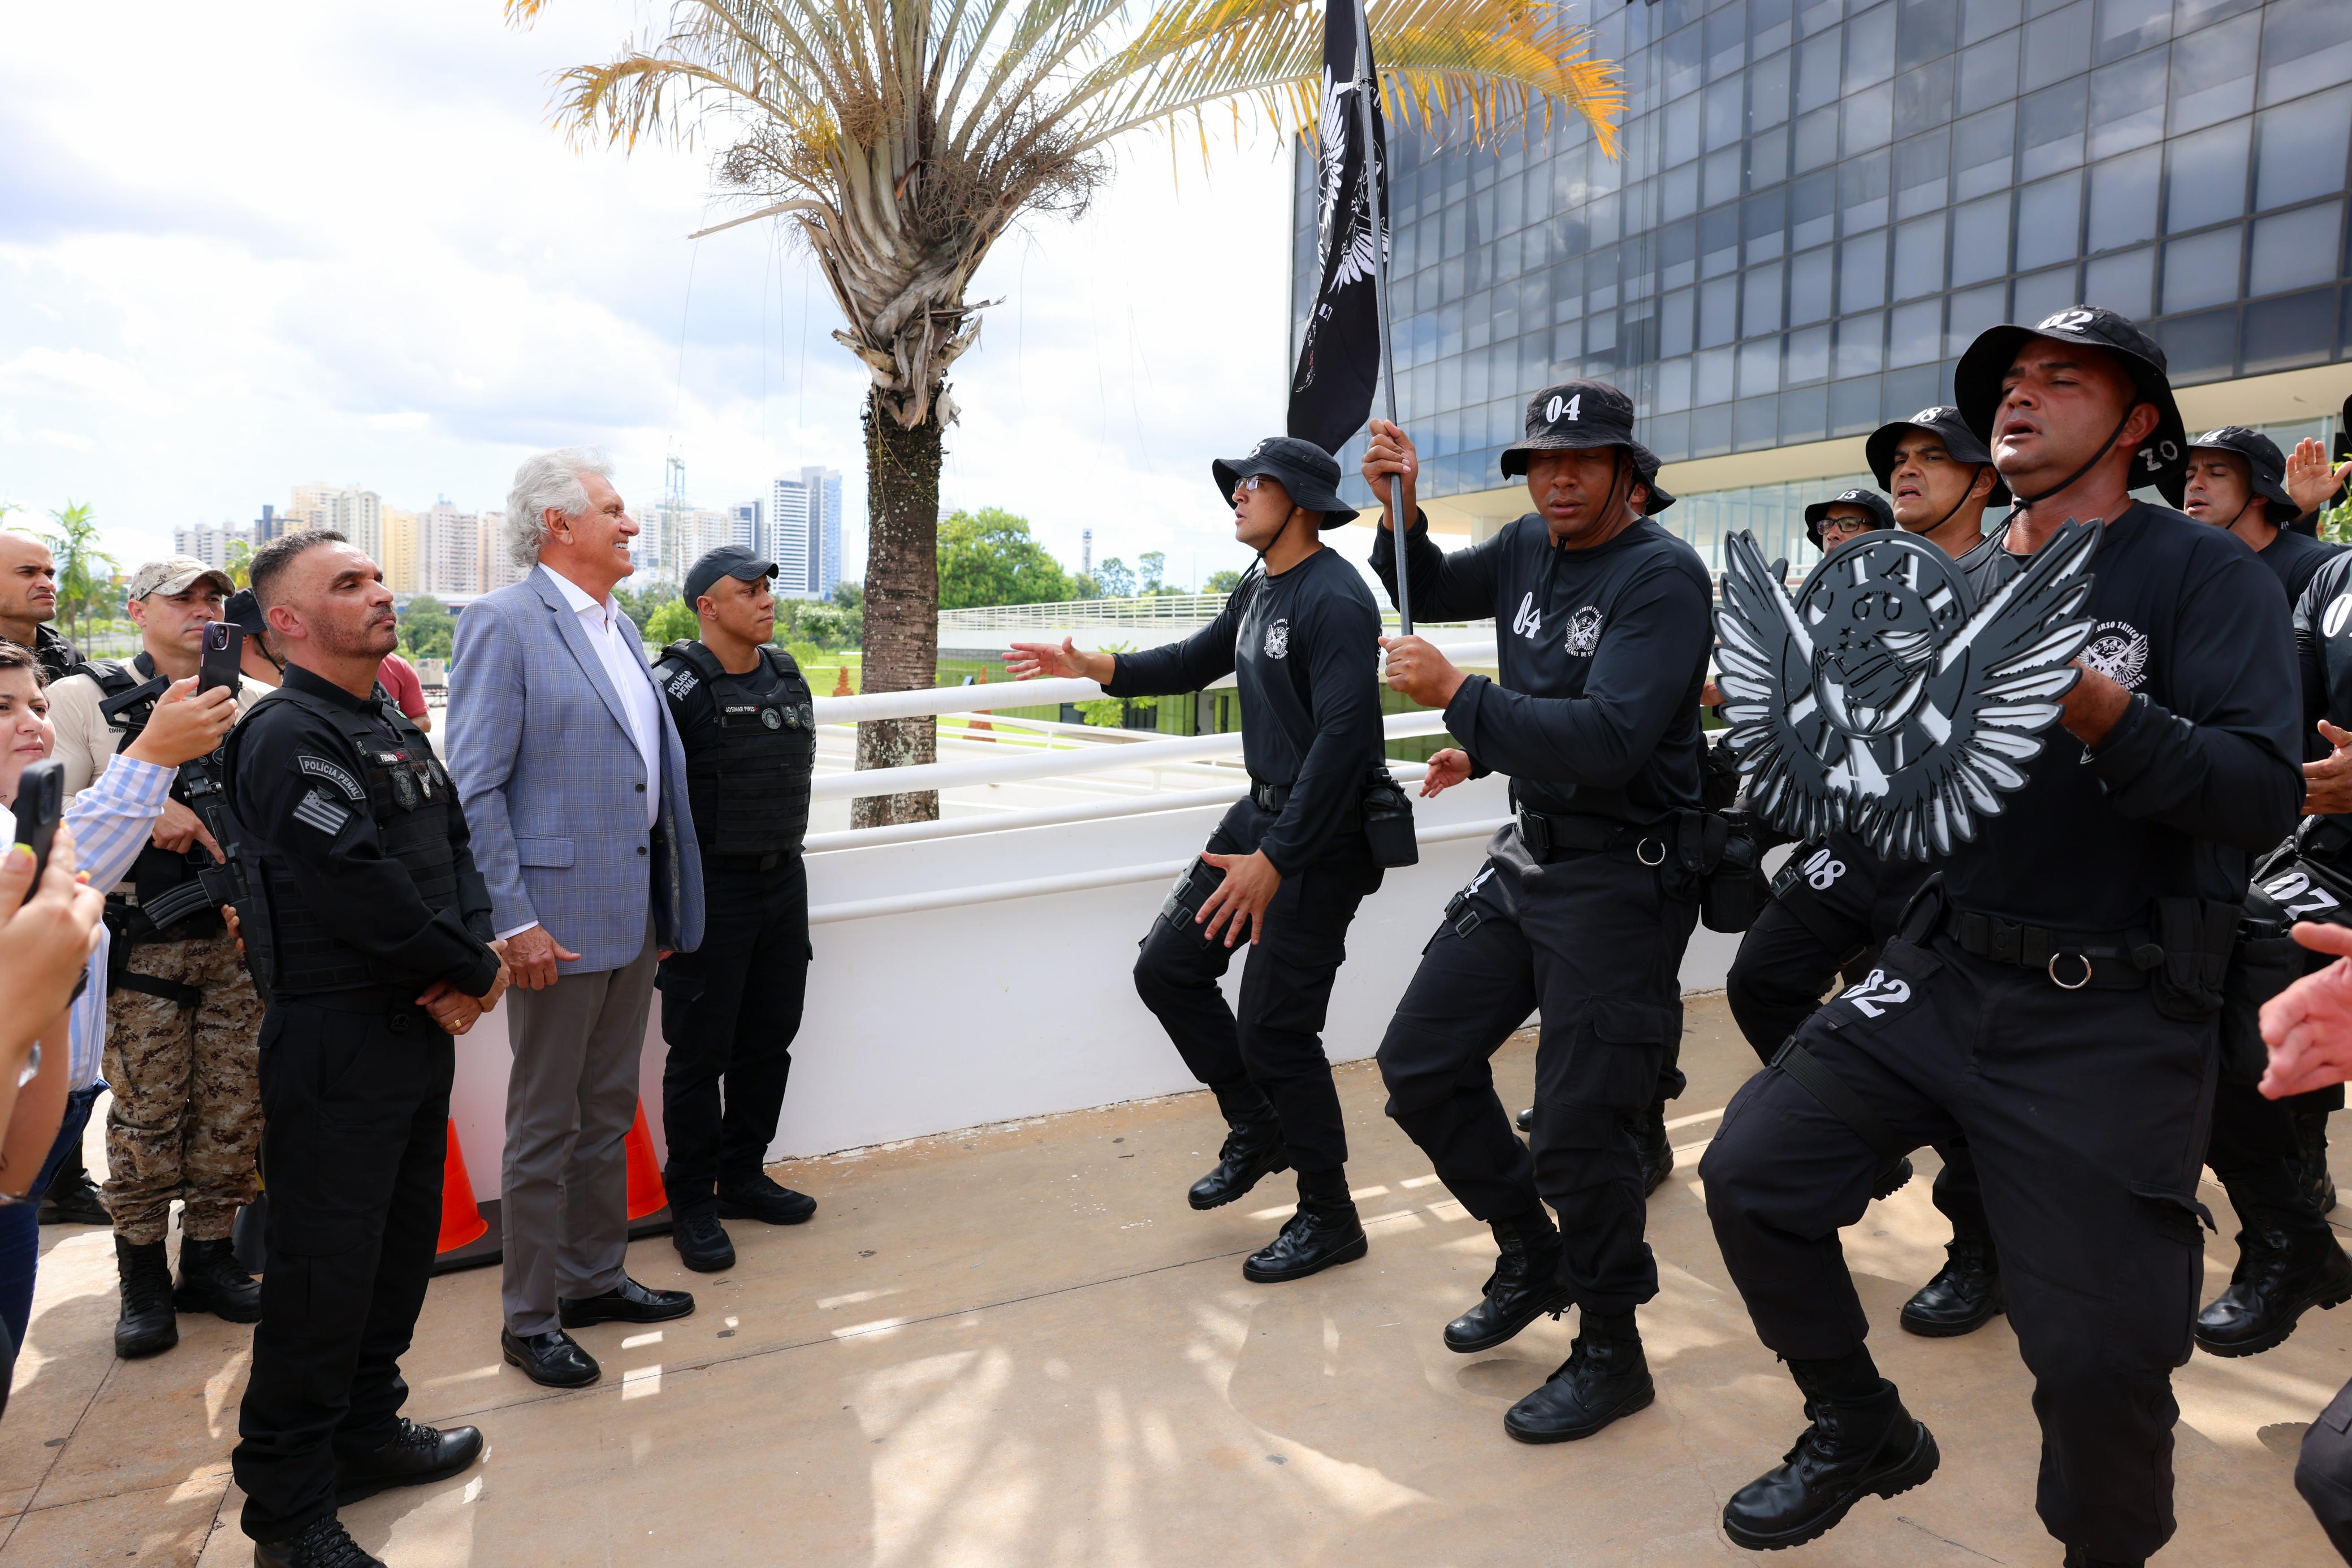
x=604 y=624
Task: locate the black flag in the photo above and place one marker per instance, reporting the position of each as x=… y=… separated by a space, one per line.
x=1339 y=362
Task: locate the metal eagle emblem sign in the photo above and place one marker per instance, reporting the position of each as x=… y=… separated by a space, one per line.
x=1881 y=698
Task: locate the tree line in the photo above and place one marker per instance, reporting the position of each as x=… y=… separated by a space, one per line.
x=990 y=557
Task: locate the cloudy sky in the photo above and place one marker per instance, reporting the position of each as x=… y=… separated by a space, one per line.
x=248 y=248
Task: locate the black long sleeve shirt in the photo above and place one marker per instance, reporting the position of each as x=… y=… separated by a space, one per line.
x=2199 y=774
x=1601 y=656
x=1303 y=646
x=2295 y=558
x=2323 y=646
x=335 y=858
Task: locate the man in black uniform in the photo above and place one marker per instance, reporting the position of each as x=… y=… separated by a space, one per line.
x=2052 y=1000
x=2237 y=480
x=369 y=929
x=1584 y=905
x=1289 y=863
x=1836 y=901
x=731 y=1007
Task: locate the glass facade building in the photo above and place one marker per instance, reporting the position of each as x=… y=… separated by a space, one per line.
x=1820 y=202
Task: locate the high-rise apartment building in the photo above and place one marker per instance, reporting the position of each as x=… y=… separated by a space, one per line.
x=803 y=533
x=355 y=513
x=746 y=530
x=402 y=566
x=498 y=572
x=449 y=550
x=1822 y=202
x=209 y=542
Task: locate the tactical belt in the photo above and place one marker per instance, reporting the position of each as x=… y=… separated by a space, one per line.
x=130 y=927
x=2101 y=961
x=1272 y=797
x=742 y=863
x=1546 y=834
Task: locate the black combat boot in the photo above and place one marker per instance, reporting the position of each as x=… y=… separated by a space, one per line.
x=148 y=1325
x=1525 y=1120
x=1325 y=1231
x=213 y=1280
x=1524 y=1286
x=1965 y=1294
x=2078 y=1558
x=2311 y=1159
x=74 y=1199
x=1254 y=1148
x=324 y=1543
x=1604 y=1376
x=2287 y=1264
x=1862 y=1443
x=415 y=1455
x=1657 y=1154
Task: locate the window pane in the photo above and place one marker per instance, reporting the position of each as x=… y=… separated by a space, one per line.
x=1680 y=134
x=1927 y=30
x=2128 y=103
x=2306 y=46
x=1723 y=114
x=2127 y=26
x=1809 y=287
x=1858 y=344
x=2295 y=330
x=1759 y=367
x=1680 y=58
x=2125 y=284
x=1981 y=147
x=1862 y=189
x=1817 y=72
x=1804 y=415
x=2058 y=45
x=1989 y=73
x=2125 y=198
x=1711 y=377
x=1973 y=311
x=2200 y=347
x=1914 y=388
x=1817 y=139
x=1812 y=210
x=2050 y=127
x=2040 y=295
x=1862 y=272
x=1981 y=239
x=1719 y=176
x=2213 y=77
x=1923 y=97
x=1672 y=387
x=2048 y=215
x=1916 y=333
x=1754 y=424
x=2202 y=270
x=2188 y=16
x=1809 y=355
x=1768 y=157
x=1768 y=23
x=2300 y=149
x=1718 y=312
x=2294 y=250
x=1919 y=257
x=1983 y=18
x=1674 y=323
x=1760 y=309
x=2207 y=180
x=1727 y=42
x=1869 y=118
x=1768 y=91
x=1718 y=241
x=1762 y=222
x=1870 y=48
x=1853 y=408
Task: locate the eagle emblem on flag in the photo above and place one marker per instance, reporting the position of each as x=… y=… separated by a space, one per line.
x=1883 y=699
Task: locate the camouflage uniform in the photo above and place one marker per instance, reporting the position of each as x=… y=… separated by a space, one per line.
x=186 y=1116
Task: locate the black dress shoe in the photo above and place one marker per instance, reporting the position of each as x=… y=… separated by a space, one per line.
x=1604 y=1376
x=2285 y=1268
x=1853 y=1450
x=147 y=1325
x=415 y=1454
x=212 y=1280
x=324 y=1544
x=1963 y=1297
x=1657 y=1154
x=757 y=1196
x=74 y=1199
x=702 y=1242
x=1524 y=1287
x=629 y=1303
x=1318 y=1236
x=551 y=1360
x=1254 y=1150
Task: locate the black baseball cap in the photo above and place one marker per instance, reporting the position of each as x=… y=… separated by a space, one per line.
x=2265 y=465
x=1870 y=501
x=727 y=560
x=1945 y=424
x=1579 y=416
x=1309 y=474
x=2162 y=458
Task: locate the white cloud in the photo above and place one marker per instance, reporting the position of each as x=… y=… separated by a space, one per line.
x=344 y=243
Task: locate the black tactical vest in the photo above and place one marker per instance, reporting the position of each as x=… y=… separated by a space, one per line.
x=127 y=694
x=413 y=801
x=746 y=775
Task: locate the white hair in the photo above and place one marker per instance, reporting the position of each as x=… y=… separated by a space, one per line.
x=548 y=479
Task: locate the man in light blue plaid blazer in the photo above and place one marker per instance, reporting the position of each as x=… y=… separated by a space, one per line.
x=574 y=788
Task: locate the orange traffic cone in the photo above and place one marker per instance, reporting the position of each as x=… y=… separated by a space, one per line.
x=841 y=683
x=461 y=1218
x=980 y=720
x=646 y=1191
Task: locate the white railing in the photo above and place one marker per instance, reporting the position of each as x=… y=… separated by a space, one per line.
x=1143 y=611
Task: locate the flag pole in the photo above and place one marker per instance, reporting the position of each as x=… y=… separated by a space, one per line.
x=1376 y=200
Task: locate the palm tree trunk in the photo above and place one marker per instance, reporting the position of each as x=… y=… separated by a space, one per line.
x=902 y=601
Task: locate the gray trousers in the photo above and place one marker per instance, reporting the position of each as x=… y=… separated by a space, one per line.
x=571 y=1099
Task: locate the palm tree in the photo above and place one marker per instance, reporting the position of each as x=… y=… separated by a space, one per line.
x=85 y=573
x=904 y=137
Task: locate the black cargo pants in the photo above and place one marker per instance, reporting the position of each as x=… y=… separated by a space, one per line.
x=2324 y=1472
x=1276 y=1040
x=2087 y=1111
x=1593 y=940
x=356 y=1108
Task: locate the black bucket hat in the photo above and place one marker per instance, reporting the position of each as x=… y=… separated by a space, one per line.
x=1310 y=474
x=1945 y=424
x=2162 y=458
x=1579 y=416
x=2265 y=465
x=1870 y=501
x=242 y=609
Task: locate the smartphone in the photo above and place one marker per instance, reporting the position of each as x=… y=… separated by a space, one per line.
x=40 y=801
x=224 y=656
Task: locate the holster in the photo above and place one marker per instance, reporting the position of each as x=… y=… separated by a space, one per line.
x=1733 y=889
x=128 y=928
x=1387 y=823
x=2197 y=936
x=1183 y=906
